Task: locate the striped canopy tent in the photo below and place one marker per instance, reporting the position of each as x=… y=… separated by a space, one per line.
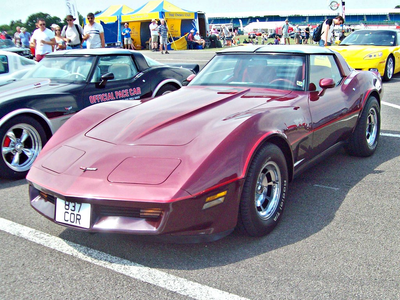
x=113 y=13
x=110 y=19
x=179 y=20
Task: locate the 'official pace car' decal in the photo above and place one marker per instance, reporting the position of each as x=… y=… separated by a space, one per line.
x=115 y=95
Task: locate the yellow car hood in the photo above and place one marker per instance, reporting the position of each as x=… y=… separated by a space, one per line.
x=357 y=52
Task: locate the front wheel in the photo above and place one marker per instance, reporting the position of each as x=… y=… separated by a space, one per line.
x=21 y=138
x=264 y=192
x=364 y=140
x=389 y=69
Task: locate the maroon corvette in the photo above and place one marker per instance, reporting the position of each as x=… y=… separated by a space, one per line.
x=215 y=155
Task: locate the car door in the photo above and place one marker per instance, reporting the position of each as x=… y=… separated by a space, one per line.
x=122 y=87
x=333 y=112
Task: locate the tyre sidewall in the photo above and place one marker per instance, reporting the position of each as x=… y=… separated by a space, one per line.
x=387 y=77
x=5 y=171
x=249 y=219
x=358 y=145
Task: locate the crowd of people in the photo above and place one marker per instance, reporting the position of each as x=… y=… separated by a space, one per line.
x=44 y=40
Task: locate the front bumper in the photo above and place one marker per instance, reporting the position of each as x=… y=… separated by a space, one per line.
x=179 y=218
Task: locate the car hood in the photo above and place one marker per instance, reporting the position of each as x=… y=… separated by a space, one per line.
x=155 y=122
x=120 y=143
x=28 y=87
x=358 y=51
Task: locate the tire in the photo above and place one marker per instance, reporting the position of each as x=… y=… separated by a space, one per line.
x=389 y=68
x=264 y=192
x=365 y=137
x=21 y=138
x=165 y=89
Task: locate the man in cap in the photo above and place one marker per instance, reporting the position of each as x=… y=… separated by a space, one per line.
x=126 y=32
x=154 y=34
x=73 y=33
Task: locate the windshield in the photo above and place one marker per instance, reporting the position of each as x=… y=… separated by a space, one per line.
x=65 y=69
x=277 y=71
x=366 y=37
x=6 y=43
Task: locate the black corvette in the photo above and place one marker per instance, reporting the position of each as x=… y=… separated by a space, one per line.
x=65 y=82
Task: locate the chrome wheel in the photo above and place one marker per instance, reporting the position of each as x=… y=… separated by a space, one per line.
x=389 y=69
x=264 y=192
x=268 y=190
x=372 y=127
x=20 y=146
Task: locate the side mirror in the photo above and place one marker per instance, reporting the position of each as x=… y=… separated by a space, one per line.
x=106 y=77
x=324 y=83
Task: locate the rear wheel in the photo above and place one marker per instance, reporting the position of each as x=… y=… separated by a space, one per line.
x=389 y=69
x=264 y=192
x=21 y=138
x=165 y=89
x=365 y=137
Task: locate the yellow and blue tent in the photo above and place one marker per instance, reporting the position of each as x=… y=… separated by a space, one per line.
x=179 y=20
x=158 y=9
x=113 y=13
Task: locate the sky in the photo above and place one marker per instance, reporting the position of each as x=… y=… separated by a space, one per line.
x=23 y=8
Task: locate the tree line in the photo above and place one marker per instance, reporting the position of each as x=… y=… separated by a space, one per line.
x=30 y=23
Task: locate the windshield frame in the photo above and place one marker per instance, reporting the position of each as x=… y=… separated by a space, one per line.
x=255 y=70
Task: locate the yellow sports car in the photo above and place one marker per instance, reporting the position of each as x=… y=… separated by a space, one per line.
x=372 y=49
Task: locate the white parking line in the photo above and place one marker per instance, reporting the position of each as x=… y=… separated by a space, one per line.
x=326 y=187
x=161 y=279
x=391 y=104
x=390 y=134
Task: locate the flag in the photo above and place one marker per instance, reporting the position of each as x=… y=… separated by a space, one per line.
x=343 y=11
x=72 y=10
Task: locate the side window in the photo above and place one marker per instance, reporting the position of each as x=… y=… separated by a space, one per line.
x=323 y=66
x=121 y=66
x=3 y=64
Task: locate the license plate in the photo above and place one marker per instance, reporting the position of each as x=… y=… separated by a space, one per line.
x=73 y=213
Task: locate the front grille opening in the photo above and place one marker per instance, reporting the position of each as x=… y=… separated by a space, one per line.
x=144 y=213
x=47 y=197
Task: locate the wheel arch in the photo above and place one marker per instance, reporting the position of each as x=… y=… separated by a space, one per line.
x=170 y=81
x=38 y=116
x=281 y=142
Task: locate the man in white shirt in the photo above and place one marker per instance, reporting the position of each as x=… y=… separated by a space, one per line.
x=93 y=33
x=72 y=33
x=43 y=40
x=154 y=34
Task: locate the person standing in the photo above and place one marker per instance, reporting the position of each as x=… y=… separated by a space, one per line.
x=285 y=32
x=93 y=33
x=327 y=30
x=73 y=33
x=60 y=41
x=17 y=39
x=154 y=34
x=297 y=34
x=25 y=37
x=43 y=40
x=163 y=31
x=126 y=32
x=307 y=34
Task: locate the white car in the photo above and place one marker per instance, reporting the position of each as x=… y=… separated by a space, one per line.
x=13 y=66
